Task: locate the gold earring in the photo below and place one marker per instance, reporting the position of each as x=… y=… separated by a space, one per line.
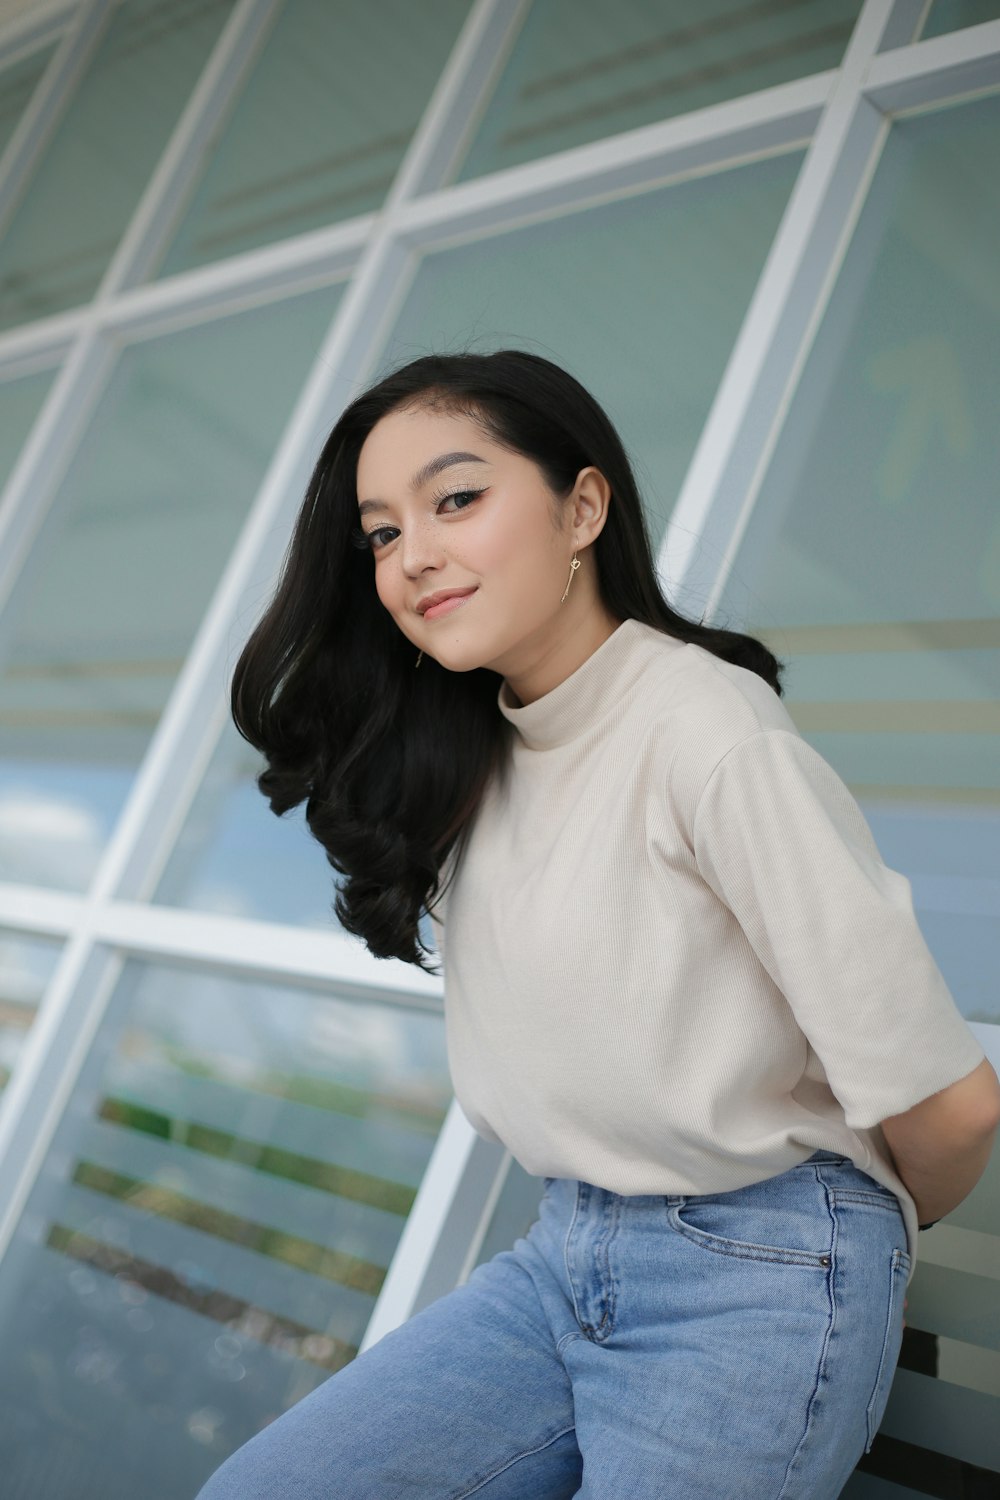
x=572 y=569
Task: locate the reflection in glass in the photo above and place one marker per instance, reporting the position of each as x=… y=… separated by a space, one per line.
x=20 y=402
x=211 y=1229
x=17 y=84
x=321 y=126
x=872 y=559
x=235 y=857
x=26 y=965
x=106 y=148
x=952 y=15
x=121 y=572
x=641 y=299
x=580 y=71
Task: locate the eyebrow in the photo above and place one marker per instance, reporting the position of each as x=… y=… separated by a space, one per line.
x=422 y=476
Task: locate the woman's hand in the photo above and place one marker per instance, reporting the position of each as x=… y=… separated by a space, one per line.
x=941 y=1145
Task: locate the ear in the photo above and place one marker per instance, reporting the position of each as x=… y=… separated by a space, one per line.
x=591 y=502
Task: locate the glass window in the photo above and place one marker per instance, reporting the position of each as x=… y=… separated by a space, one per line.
x=952 y=15
x=211 y=1228
x=106 y=605
x=20 y=402
x=580 y=71
x=17 y=84
x=114 y=131
x=234 y=856
x=641 y=299
x=26 y=965
x=321 y=126
x=872 y=559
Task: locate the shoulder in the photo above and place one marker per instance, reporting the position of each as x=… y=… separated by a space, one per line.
x=704 y=706
x=698 y=708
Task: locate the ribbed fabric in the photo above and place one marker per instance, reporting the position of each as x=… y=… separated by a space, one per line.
x=674 y=961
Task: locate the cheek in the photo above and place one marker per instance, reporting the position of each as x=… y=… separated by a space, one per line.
x=386 y=587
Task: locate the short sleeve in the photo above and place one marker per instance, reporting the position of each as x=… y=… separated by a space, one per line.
x=781 y=841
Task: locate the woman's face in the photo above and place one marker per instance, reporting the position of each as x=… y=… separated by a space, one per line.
x=481 y=522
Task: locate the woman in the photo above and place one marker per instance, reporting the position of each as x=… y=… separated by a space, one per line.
x=680 y=983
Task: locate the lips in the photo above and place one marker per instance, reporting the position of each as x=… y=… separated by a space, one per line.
x=443 y=602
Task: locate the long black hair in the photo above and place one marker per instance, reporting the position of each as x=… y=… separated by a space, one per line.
x=326 y=689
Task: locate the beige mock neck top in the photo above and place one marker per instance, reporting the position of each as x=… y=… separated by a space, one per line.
x=674 y=961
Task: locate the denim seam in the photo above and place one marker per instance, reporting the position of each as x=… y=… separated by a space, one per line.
x=897 y=1267
x=528 y=1452
x=821 y=1367
x=603 y=1267
x=569 y=1274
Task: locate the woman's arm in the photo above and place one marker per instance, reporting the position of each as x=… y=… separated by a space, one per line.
x=941 y=1145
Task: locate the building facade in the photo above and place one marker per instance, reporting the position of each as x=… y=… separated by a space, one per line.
x=764 y=234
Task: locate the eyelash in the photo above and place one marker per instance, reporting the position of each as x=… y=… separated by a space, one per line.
x=361 y=538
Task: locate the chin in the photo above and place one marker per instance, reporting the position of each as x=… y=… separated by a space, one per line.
x=454 y=659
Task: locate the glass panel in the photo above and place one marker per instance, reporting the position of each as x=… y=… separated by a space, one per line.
x=211 y=1229
x=121 y=572
x=97 y=165
x=17 y=84
x=872 y=559
x=640 y=299
x=235 y=857
x=580 y=71
x=26 y=966
x=20 y=403
x=952 y=15
x=311 y=140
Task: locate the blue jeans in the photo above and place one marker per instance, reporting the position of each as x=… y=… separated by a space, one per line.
x=731 y=1346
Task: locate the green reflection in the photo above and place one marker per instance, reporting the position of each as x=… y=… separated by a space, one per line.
x=952 y=15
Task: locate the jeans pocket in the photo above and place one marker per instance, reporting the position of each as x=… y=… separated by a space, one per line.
x=743 y=1224
x=899 y=1271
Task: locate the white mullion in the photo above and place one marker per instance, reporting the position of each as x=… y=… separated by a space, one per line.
x=46 y=340
x=461 y=96
x=936 y=71
x=286 y=954
x=179 y=167
x=30 y=32
x=707 y=139
x=47 y=105
x=46 y=455
x=48 y=1063
x=728 y=464
x=905 y=22
x=456 y=1194
x=277 y=952
x=39 y=913
x=304 y=261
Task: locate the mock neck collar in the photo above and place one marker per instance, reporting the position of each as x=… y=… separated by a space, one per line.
x=588 y=694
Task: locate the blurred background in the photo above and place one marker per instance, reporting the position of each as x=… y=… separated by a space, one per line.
x=764 y=233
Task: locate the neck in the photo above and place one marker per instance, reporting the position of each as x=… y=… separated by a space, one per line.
x=545 y=665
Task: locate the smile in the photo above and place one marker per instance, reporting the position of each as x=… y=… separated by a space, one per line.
x=447 y=605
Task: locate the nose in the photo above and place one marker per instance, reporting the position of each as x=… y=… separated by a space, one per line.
x=420 y=549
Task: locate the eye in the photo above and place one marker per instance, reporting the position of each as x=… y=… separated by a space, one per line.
x=467 y=495
x=366 y=539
